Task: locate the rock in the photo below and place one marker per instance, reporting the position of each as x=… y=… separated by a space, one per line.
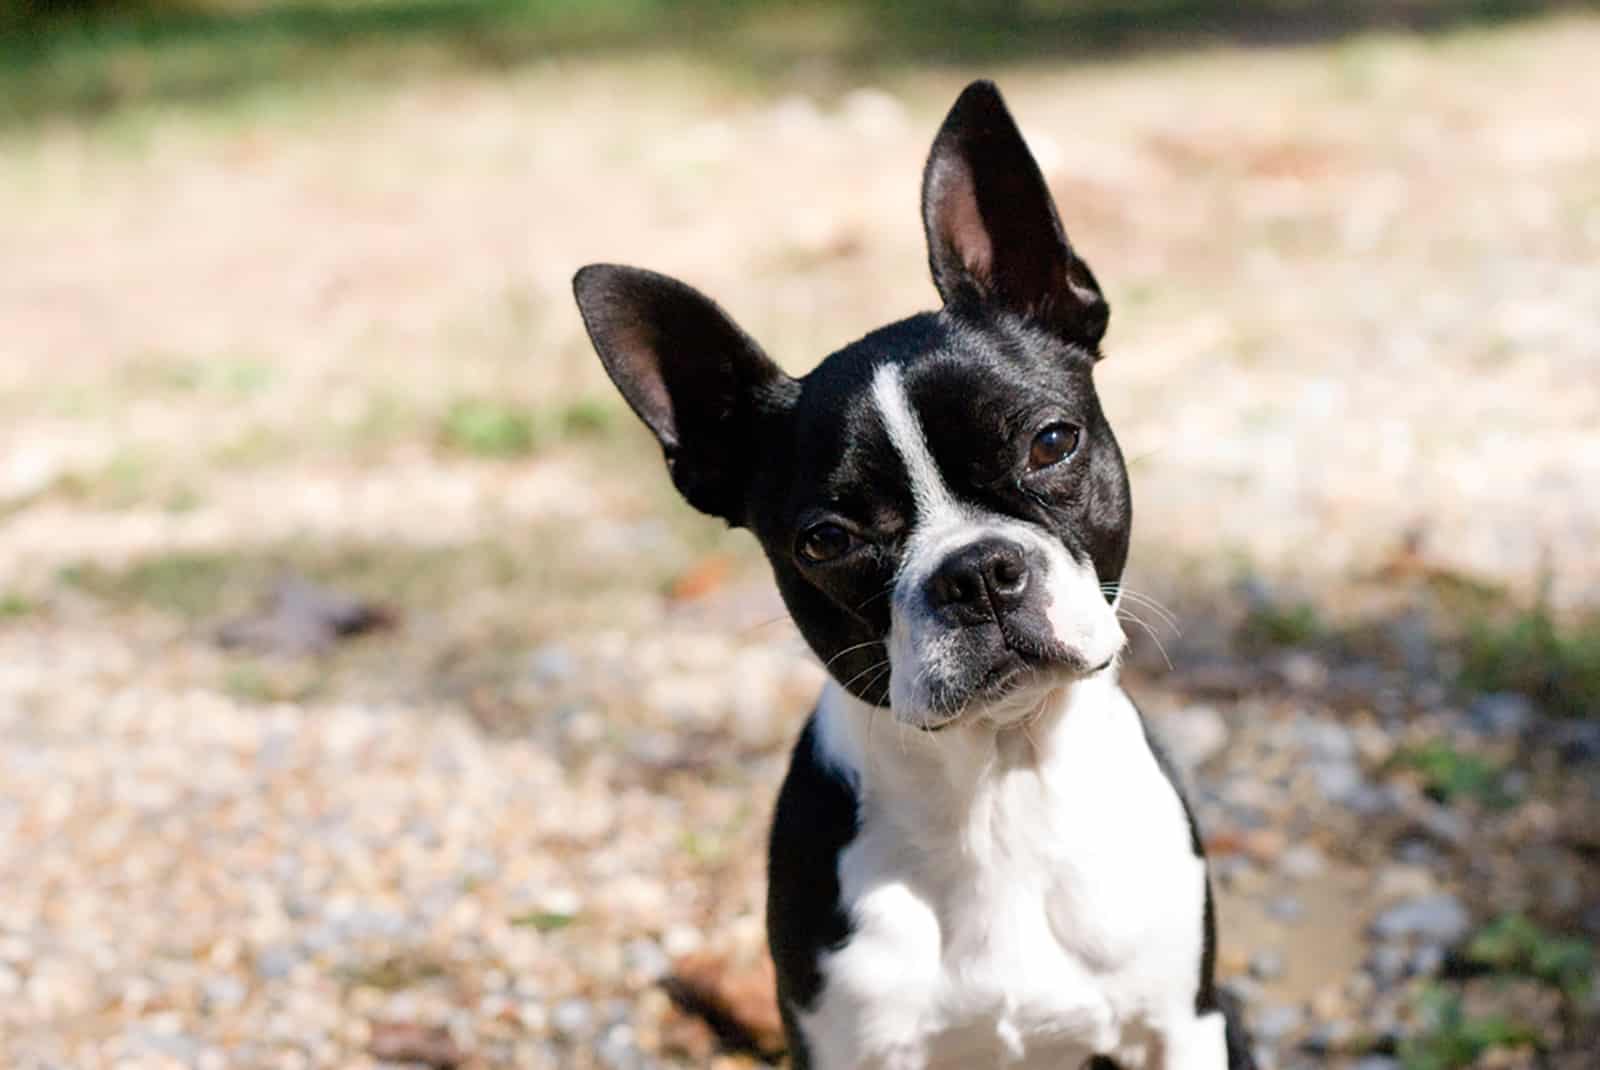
x=645 y=959
x=1500 y=714
x=1416 y=851
x=1274 y=1023
x=1377 y=1062
x=1443 y=824
x=1325 y=740
x=1403 y=882
x=1338 y=780
x=617 y=1049
x=1302 y=861
x=1329 y=1038
x=573 y=1019
x=275 y=963
x=1285 y=908
x=1578 y=740
x=1242 y=989
x=1303 y=671
x=1194 y=735
x=1229 y=870
x=1266 y=964
x=1387 y=964
x=222 y=993
x=1426 y=960
x=553 y=663
x=1435 y=918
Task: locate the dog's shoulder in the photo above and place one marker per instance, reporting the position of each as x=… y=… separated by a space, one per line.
x=817 y=817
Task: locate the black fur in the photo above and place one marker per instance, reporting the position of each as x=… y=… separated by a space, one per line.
x=816 y=819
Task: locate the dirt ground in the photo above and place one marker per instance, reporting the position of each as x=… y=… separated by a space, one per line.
x=1354 y=362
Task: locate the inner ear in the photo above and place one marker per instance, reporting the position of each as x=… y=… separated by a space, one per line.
x=697 y=381
x=994 y=236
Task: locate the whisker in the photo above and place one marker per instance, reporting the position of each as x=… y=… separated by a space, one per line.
x=1144 y=598
x=873 y=598
x=1129 y=616
x=752 y=629
x=1166 y=615
x=863 y=672
x=849 y=650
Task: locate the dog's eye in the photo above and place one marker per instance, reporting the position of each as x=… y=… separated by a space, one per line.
x=1053 y=445
x=824 y=542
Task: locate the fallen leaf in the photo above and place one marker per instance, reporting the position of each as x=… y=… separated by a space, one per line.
x=738 y=1002
x=700 y=579
x=412 y=1042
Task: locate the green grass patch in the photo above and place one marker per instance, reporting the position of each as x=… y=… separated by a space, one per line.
x=1555 y=663
x=488 y=429
x=1273 y=624
x=396 y=972
x=235 y=377
x=545 y=921
x=187 y=584
x=1450 y=775
x=1514 y=943
x=485 y=428
x=13 y=605
x=122 y=482
x=263 y=682
x=1454 y=1039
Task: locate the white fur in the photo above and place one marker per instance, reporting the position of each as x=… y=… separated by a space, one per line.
x=920 y=651
x=1020 y=896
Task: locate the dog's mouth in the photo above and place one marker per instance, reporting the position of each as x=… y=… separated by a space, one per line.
x=1026 y=668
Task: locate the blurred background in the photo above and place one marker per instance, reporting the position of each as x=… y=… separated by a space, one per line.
x=368 y=698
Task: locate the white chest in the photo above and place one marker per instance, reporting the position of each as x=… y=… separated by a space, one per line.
x=1038 y=914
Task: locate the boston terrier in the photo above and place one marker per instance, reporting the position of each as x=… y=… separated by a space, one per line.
x=979 y=857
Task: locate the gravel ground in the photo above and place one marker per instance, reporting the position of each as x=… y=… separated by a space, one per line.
x=1353 y=361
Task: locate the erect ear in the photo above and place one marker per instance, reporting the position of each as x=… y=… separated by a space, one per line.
x=695 y=379
x=993 y=233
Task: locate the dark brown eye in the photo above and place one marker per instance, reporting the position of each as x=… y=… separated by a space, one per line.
x=1053 y=445
x=824 y=542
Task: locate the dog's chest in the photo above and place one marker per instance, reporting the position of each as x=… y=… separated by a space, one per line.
x=1054 y=919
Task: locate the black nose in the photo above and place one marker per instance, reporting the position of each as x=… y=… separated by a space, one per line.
x=982 y=579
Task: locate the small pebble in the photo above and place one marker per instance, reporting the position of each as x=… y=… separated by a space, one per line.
x=1501 y=714
x=1285 y=908
x=1439 y=918
x=1266 y=964
x=1273 y=1023
x=1302 y=862
x=572 y=1019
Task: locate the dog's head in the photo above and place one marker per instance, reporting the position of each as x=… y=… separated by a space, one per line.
x=943 y=503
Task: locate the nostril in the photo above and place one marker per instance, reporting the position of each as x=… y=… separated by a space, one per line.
x=949 y=588
x=1009 y=575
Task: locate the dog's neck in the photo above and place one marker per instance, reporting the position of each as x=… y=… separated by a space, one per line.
x=940 y=777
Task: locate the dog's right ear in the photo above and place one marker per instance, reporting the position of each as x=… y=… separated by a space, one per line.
x=696 y=380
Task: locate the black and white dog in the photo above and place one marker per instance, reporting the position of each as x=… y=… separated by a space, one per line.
x=978 y=859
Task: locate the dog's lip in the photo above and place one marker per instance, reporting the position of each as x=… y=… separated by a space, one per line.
x=1004 y=678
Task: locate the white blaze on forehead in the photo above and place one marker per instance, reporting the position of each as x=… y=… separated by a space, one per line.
x=905 y=432
x=920 y=650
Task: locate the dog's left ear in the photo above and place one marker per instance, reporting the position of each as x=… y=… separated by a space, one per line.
x=993 y=233
x=698 y=382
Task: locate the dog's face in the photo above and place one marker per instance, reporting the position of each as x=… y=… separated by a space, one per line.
x=943 y=503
